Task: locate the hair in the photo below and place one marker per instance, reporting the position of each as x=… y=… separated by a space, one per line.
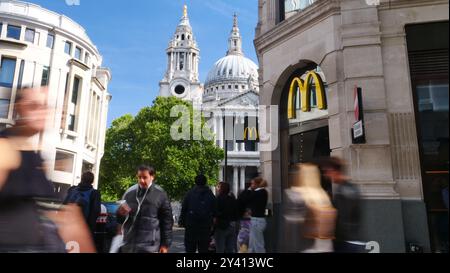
x=147 y=168
x=87 y=178
x=224 y=188
x=260 y=182
x=334 y=163
x=201 y=180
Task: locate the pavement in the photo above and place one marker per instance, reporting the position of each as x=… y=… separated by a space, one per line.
x=178 y=241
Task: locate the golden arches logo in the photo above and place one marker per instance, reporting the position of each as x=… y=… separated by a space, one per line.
x=248 y=133
x=305 y=90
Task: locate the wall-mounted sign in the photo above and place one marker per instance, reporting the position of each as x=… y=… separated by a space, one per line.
x=304 y=89
x=358 y=130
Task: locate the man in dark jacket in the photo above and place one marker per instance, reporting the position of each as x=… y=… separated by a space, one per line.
x=197 y=213
x=225 y=221
x=146 y=216
x=346 y=199
x=87 y=198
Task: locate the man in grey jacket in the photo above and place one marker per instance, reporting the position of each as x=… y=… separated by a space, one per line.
x=146 y=216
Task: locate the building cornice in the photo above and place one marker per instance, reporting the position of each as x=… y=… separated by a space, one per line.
x=301 y=21
x=396 y=4
x=13 y=42
x=98 y=83
x=79 y=64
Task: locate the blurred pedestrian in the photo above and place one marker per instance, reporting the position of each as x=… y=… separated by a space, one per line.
x=257 y=197
x=309 y=217
x=88 y=198
x=197 y=213
x=25 y=224
x=243 y=240
x=347 y=200
x=225 y=220
x=146 y=216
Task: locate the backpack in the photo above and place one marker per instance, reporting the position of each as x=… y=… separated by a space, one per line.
x=82 y=199
x=200 y=207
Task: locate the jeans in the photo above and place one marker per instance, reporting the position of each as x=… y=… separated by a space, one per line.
x=226 y=239
x=258 y=225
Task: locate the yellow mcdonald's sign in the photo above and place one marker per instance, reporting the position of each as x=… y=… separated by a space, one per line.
x=248 y=133
x=304 y=90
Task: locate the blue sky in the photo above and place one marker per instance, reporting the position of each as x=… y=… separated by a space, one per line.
x=132 y=37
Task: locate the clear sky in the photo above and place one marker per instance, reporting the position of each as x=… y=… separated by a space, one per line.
x=132 y=37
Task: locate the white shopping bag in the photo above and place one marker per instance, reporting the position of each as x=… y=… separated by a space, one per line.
x=116 y=244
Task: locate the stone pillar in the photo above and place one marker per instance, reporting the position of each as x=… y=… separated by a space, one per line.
x=235 y=185
x=221 y=173
x=242 y=184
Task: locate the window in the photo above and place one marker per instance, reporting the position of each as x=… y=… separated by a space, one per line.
x=229 y=87
x=45 y=76
x=76 y=86
x=291 y=7
x=182 y=61
x=14 y=32
x=50 y=40
x=64 y=162
x=68 y=48
x=182 y=37
x=179 y=90
x=29 y=35
x=71 y=126
x=236 y=87
x=4 y=108
x=1 y=29
x=64 y=113
x=78 y=53
x=7 y=70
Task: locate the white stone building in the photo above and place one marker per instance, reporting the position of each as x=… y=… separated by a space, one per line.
x=41 y=48
x=182 y=78
x=396 y=51
x=230 y=93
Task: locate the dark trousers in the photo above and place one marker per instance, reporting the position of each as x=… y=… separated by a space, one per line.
x=197 y=239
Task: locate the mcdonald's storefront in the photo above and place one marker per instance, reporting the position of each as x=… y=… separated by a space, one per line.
x=310 y=66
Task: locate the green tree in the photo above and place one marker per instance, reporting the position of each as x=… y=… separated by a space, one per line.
x=146 y=139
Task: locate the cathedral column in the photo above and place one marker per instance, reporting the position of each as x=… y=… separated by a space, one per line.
x=222 y=140
x=242 y=184
x=170 y=63
x=221 y=173
x=176 y=60
x=242 y=145
x=235 y=180
x=188 y=61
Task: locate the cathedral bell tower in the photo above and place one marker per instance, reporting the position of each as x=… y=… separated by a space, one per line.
x=181 y=79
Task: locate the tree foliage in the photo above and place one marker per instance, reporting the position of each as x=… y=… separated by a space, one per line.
x=146 y=139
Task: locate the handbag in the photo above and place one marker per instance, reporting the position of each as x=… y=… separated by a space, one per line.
x=320 y=222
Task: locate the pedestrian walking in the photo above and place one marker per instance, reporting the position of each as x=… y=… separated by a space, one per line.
x=146 y=216
x=225 y=221
x=197 y=213
x=88 y=198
